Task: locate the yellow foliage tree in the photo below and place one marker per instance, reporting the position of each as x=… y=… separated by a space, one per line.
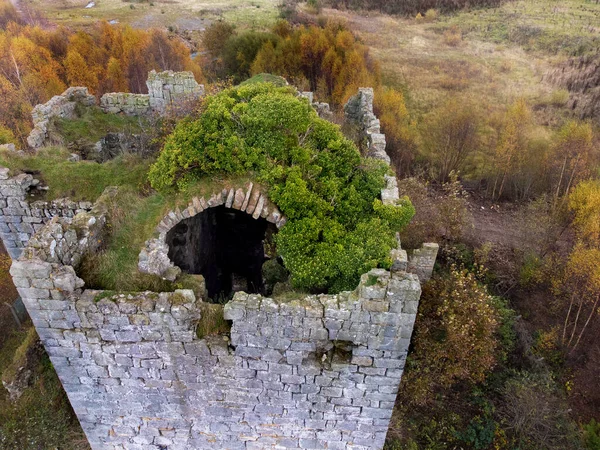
x=78 y=72
x=582 y=284
x=572 y=149
x=511 y=143
x=400 y=132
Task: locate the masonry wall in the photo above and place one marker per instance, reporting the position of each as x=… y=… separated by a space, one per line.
x=359 y=109
x=20 y=218
x=58 y=106
x=130 y=104
x=316 y=372
x=165 y=89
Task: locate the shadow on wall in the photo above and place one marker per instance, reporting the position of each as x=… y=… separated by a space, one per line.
x=224 y=245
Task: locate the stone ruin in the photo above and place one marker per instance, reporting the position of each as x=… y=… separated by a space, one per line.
x=359 y=109
x=62 y=106
x=317 y=371
x=164 y=90
x=20 y=219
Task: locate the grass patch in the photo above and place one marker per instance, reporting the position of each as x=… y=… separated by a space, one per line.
x=568 y=27
x=104 y=294
x=19 y=355
x=371 y=280
x=212 y=321
x=83 y=180
x=42 y=417
x=93 y=124
x=8 y=350
x=183 y=14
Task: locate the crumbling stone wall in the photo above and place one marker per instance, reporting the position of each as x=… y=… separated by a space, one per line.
x=126 y=103
x=422 y=260
x=164 y=90
x=58 y=106
x=359 y=109
x=322 y=108
x=315 y=372
x=20 y=218
x=167 y=88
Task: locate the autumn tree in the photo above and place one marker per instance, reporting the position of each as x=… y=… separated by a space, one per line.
x=36 y=64
x=450 y=136
x=454 y=337
x=580 y=282
x=572 y=152
x=512 y=142
x=79 y=73
x=584 y=202
x=400 y=132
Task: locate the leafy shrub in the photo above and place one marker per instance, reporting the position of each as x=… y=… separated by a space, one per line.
x=431 y=15
x=337 y=227
x=535 y=414
x=455 y=336
x=6 y=136
x=452 y=36
x=241 y=50
x=591 y=435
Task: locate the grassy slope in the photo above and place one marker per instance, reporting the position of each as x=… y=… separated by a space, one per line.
x=93 y=124
x=563 y=27
x=80 y=181
x=42 y=417
x=184 y=14
x=416 y=58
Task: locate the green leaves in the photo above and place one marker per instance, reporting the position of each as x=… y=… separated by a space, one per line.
x=337 y=228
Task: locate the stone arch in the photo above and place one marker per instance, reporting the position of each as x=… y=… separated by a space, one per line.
x=157 y=255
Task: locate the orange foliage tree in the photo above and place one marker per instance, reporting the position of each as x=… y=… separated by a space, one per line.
x=331 y=60
x=36 y=64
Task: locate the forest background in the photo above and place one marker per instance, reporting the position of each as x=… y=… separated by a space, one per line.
x=500 y=162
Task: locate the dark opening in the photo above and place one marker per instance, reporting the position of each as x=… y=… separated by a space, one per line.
x=226 y=246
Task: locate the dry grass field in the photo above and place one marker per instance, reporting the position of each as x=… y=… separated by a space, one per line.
x=431 y=65
x=181 y=14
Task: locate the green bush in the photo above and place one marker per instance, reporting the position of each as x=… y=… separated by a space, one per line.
x=240 y=51
x=337 y=228
x=6 y=136
x=591 y=435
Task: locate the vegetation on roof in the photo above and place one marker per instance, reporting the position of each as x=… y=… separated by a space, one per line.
x=337 y=227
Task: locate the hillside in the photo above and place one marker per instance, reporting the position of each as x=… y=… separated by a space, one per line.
x=488 y=121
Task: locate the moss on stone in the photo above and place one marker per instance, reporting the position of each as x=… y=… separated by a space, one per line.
x=104 y=294
x=213 y=321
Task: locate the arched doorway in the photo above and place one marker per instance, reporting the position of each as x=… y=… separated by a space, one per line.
x=226 y=246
